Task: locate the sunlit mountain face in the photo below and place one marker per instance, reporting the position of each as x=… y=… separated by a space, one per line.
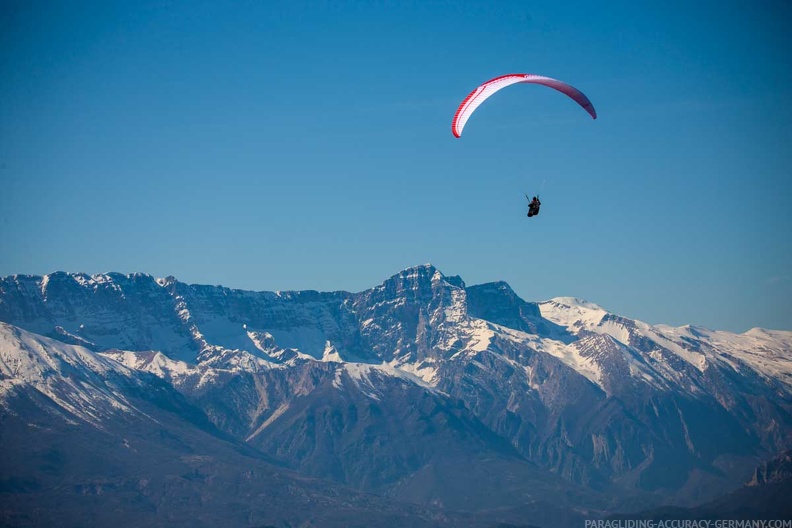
x=420 y=402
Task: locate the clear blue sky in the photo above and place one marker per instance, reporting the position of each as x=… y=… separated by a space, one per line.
x=289 y=145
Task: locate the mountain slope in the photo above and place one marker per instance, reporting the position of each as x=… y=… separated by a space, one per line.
x=88 y=441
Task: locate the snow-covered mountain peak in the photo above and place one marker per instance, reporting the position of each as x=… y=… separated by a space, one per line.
x=166 y=281
x=420 y=285
x=571 y=312
x=764 y=333
x=426 y=269
x=575 y=302
x=662 y=351
x=416 y=277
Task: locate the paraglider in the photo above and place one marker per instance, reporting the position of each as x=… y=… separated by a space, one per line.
x=533 y=206
x=483 y=92
x=489 y=88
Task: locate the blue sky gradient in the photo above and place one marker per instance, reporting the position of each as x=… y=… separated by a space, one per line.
x=307 y=145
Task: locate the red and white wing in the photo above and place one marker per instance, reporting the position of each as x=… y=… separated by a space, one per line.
x=483 y=92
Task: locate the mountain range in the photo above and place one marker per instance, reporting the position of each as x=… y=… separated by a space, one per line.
x=419 y=402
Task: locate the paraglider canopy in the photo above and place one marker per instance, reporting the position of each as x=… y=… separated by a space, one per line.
x=483 y=92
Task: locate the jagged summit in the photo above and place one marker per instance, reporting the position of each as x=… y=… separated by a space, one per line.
x=500 y=286
x=415 y=278
x=426 y=268
x=167 y=281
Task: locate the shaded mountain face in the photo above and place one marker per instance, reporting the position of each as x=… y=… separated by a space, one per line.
x=764 y=497
x=398 y=388
x=89 y=442
x=775 y=471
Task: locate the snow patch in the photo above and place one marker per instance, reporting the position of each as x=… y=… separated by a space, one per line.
x=274 y=416
x=360 y=374
x=424 y=374
x=331 y=354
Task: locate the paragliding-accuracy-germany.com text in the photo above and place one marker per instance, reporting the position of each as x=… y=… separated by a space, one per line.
x=687 y=523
